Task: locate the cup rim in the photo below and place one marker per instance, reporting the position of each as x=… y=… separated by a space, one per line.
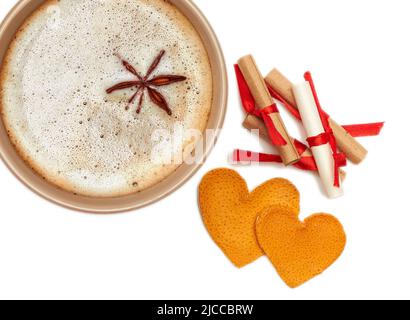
x=159 y=191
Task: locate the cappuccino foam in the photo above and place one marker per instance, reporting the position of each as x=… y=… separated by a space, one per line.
x=53 y=96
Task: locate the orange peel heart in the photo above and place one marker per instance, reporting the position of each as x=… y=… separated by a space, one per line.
x=229 y=211
x=299 y=250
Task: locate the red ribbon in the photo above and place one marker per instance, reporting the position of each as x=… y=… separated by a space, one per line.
x=249 y=105
x=255 y=157
x=306 y=163
x=328 y=136
x=248 y=102
x=319 y=140
x=291 y=109
x=364 y=130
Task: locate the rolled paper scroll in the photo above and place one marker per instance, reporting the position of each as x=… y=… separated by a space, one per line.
x=321 y=148
x=254 y=123
x=354 y=151
x=266 y=106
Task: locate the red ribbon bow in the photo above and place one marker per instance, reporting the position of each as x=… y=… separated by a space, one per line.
x=327 y=136
x=248 y=103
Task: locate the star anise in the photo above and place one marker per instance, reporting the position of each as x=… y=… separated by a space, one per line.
x=144 y=82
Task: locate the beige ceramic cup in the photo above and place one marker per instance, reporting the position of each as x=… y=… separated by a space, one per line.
x=9 y=27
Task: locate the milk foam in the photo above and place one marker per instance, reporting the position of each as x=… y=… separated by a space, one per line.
x=53 y=98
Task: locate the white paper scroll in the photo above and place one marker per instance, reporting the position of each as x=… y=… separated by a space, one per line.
x=312 y=122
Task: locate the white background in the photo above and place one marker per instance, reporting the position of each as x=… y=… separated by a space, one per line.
x=359 y=54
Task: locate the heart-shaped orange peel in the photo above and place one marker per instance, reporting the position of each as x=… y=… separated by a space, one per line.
x=299 y=250
x=229 y=211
